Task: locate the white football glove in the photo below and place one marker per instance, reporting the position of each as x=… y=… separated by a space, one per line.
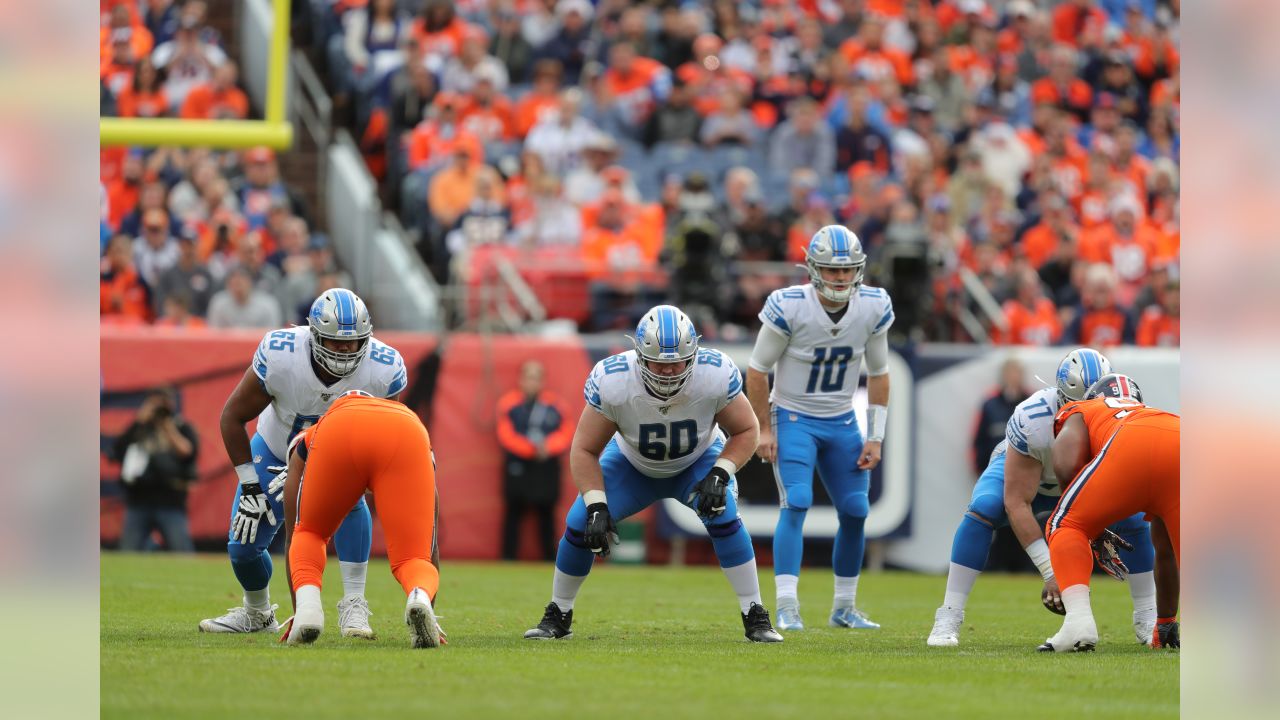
x=275 y=488
x=249 y=514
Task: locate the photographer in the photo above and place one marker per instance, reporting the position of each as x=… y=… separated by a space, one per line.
x=157 y=456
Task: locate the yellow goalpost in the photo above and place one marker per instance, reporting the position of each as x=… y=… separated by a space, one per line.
x=274 y=131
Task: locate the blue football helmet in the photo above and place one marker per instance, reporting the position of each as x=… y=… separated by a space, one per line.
x=1078 y=371
x=339 y=314
x=835 y=246
x=665 y=335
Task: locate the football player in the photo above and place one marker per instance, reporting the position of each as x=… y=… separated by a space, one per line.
x=1124 y=458
x=1019 y=482
x=816 y=336
x=295 y=374
x=655 y=428
x=360 y=444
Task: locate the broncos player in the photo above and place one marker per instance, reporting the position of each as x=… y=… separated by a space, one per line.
x=653 y=429
x=295 y=375
x=816 y=336
x=1019 y=482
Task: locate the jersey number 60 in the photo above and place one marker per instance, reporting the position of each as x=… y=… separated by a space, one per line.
x=683 y=434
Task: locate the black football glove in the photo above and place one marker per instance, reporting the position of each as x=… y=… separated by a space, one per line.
x=600 y=532
x=1104 y=552
x=1165 y=634
x=708 y=496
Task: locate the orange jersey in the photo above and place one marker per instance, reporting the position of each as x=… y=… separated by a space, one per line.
x=877 y=64
x=1159 y=329
x=633 y=93
x=142 y=104
x=1104 y=415
x=495 y=123
x=205 y=103
x=1038 y=326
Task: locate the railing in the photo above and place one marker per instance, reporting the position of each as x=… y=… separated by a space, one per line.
x=978 y=292
x=309 y=103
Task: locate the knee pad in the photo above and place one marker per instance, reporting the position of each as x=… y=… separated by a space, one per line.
x=243 y=553
x=724 y=529
x=799 y=498
x=854 y=504
x=575 y=538
x=988 y=509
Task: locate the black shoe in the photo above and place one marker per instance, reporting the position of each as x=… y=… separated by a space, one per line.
x=756 y=622
x=555 y=625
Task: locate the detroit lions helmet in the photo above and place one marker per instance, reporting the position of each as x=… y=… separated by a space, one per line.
x=835 y=246
x=665 y=335
x=1078 y=371
x=339 y=314
x=1115 y=385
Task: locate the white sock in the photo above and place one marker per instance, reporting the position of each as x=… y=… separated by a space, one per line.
x=258 y=599
x=846 y=592
x=353 y=575
x=564 y=588
x=960 y=580
x=308 y=596
x=746 y=584
x=1142 y=587
x=1076 y=600
x=787 y=588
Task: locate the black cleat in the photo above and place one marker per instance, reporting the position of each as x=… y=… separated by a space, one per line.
x=555 y=625
x=759 y=629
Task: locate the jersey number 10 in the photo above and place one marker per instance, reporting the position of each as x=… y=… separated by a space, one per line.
x=829 y=366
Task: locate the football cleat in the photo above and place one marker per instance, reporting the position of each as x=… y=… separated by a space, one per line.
x=851 y=617
x=554 y=626
x=353 y=617
x=1076 y=635
x=306 y=625
x=946 y=627
x=242 y=620
x=1144 y=622
x=424 y=629
x=789 y=617
x=757 y=625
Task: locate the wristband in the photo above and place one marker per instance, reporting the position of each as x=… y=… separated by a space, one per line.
x=727 y=465
x=1038 y=551
x=246 y=473
x=1166 y=620
x=877 y=418
x=591 y=497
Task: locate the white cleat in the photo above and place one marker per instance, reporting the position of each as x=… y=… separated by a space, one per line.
x=1076 y=635
x=353 y=617
x=242 y=620
x=307 y=625
x=1144 y=623
x=421 y=619
x=946 y=627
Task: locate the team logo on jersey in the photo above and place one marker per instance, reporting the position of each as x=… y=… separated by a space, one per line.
x=324 y=397
x=835 y=332
x=663 y=409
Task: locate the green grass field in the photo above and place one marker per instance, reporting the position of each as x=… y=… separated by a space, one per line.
x=654 y=641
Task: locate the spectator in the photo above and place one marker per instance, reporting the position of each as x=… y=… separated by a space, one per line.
x=1099 y=320
x=1031 y=317
x=261 y=182
x=1128 y=246
x=585 y=183
x=617 y=242
x=371 y=41
x=997 y=409
x=439 y=30
x=241 y=305
x=162 y=19
x=177 y=313
x=143 y=97
x=435 y=139
x=561 y=135
x=453 y=188
x=412 y=96
x=1005 y=159
x=150 y=197
x=555 y=220
x=485 y=221
x=730 y=124
x=188 y=60
x=489 y=117
x=571 y=43
x=534 y=430
x=157 y=455
x=252 y=258
x=937 y=81
x=542 y=100
x=1062 y=87
x=123 y=297
x=187 y=278
x=635 y=85
x=675 y=121
x=155 y=251
x=803 y=140
x=508 y=44
x=117 y=69
x=858 y=141
x=1073 y=17
x=1040 y=242
x=292 y=244
x=1160 y=323
x=219 y=99
x=460 y=72
x=124 y=26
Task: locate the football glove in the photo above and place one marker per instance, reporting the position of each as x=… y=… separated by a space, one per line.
x=1165 y=634
x=276 y=487
x=1104 y=552
x=253 y=508
x=600 y=532
x=708 y=496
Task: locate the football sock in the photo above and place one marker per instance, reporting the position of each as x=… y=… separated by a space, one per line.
x=1142 y=588
x=788 y=541
x=1076 y=600
x=846 y=595
x=1072 y=559
x=960 y=580
x=850 y=544
x=258 y=599
x=746 y=584
x=416 y=572
x=564 y=589
x=308 y=596
x=972 y=543
x=355 y=535
x=353 y=577
x=786 y=585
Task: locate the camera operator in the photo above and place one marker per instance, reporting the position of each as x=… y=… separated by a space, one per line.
x=157 y=456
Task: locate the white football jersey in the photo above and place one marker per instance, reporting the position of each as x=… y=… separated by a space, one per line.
x=662 y=438
x=298 y=398
x=1030 y=432
x=818 y=373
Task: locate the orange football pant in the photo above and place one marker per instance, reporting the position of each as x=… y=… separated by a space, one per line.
x=377 y=445
x=1136 y=471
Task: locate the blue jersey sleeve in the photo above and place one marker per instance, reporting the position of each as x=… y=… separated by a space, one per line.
x=593 y=392
x=774 y=313
x=269 y=354
x=884 y=310
x=390 y=365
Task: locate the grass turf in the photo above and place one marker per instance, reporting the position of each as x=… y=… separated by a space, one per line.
x=652 y=641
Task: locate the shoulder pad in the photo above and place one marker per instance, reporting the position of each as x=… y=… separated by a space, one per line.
x=388 y=367
x=724 y=376
x=882 y=307
x=776 y=306
x=606 y=377
x=273 y=345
